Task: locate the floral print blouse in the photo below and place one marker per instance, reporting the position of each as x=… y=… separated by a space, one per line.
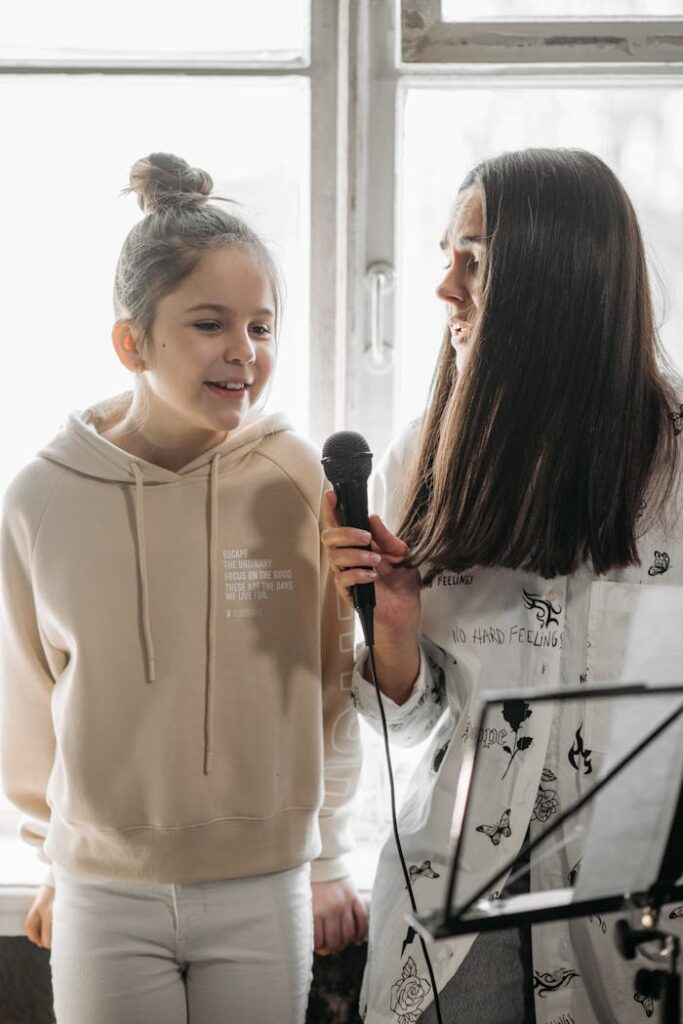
x=492 y=629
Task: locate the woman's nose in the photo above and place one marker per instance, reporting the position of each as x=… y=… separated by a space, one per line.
x=451 y=289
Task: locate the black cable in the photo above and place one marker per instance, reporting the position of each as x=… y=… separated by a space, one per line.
x=394 y=822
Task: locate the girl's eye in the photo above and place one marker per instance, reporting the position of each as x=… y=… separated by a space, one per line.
x=207 y=325
x=262 y=329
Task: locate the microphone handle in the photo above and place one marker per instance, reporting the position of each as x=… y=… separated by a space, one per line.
x=352 y=509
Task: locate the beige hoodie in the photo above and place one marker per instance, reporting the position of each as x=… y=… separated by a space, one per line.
x=176 y=668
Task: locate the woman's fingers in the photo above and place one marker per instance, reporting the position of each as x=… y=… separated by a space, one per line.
x=340 y=537
x=355 y=558
x=386 y=541
x=350 y=578
x=329 y=509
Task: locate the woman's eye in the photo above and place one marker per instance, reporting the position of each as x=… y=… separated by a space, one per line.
x=207 y=325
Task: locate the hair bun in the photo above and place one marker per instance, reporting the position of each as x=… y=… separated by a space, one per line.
x=162 y=181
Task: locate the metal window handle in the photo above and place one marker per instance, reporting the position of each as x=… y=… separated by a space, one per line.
x=379 y=277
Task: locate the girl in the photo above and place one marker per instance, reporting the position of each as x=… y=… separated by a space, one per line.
x=173 y=673
x=544 y=486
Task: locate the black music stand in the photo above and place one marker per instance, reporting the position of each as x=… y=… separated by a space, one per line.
x=645 y=886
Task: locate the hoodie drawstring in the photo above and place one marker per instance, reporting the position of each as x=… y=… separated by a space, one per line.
x=211 y=625
x=142 y=562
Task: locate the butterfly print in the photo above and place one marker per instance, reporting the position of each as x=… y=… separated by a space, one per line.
x=425 y=870
x=660 y=564
x=646 y=1002
x=552 y=982
x=545 y=611
x=578 y=753
x=497 y=832
x=548 y=776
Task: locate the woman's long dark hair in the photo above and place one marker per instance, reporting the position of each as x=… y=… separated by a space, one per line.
x=557 y=445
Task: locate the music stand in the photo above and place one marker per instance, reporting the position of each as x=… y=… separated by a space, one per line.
x=594 y=893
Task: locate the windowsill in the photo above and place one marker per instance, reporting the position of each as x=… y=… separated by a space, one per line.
x=21 y=873
x=15 y=901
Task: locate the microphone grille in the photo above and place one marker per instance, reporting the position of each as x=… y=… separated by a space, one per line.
x=346 y=456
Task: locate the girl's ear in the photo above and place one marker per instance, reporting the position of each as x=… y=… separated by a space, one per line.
x=125 y=337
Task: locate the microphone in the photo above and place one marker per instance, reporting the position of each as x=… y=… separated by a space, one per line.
x=347 y=461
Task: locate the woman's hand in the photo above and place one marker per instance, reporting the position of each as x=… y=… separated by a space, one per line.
x=397 y=591
x=397 y=595
x=339 y=916
x=38 y=923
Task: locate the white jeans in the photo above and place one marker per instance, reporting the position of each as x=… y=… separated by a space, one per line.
x=238 y=950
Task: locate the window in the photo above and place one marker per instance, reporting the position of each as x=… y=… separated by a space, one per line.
x=344 y=127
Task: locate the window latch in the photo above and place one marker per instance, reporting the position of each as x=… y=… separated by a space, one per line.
x=379 y=280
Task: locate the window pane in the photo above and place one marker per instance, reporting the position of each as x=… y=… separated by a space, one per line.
x=540 y=10
x=257 y=30
x=73 y=142
x=636 y=129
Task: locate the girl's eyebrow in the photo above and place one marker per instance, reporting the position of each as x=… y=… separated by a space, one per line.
x=266 y=311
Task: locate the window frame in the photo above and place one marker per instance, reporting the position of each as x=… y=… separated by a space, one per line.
x=629 y=41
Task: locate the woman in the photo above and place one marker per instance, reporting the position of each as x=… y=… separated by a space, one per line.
x=173 y=653
x=544 y=483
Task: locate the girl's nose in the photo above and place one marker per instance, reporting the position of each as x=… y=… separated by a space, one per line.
x=240 y=349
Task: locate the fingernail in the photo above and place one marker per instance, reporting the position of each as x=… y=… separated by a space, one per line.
x=375 y=558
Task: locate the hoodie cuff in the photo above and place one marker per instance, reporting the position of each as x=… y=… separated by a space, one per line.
x=49 y=878
x=329 y=869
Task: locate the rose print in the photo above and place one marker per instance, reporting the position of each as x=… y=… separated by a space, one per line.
x=546 y=804
x=408 y=994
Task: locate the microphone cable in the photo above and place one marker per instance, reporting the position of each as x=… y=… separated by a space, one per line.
x=397 y=838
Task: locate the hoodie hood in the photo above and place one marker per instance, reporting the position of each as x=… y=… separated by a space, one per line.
x=81 y=448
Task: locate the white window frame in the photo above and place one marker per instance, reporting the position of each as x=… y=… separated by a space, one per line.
x=427 y=39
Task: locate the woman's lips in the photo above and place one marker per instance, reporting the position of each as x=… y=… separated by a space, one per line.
x=459 y=329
